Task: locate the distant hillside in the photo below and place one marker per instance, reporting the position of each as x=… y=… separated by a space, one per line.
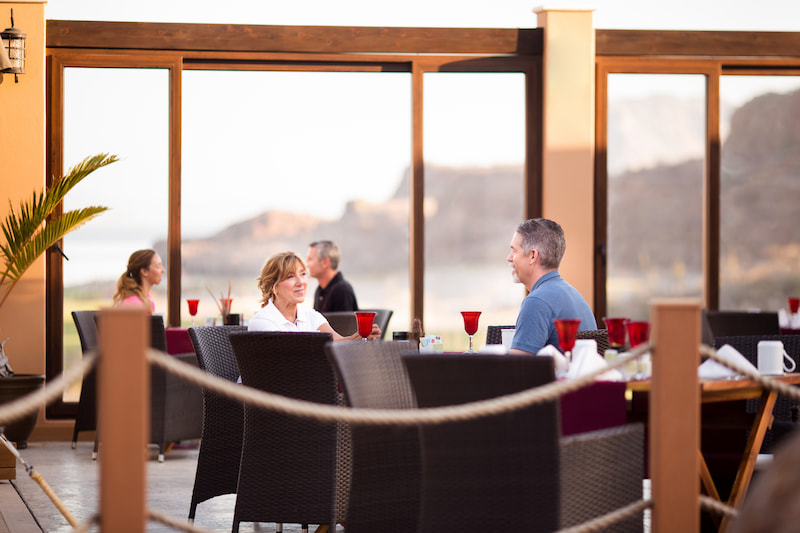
x=663 y=200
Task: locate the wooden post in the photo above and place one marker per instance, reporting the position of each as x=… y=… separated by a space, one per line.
x=8 y=464
x=123 y=418
x=675 y=416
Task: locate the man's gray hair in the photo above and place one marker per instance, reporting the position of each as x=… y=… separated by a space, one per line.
x=327 y=249
x=546 y=237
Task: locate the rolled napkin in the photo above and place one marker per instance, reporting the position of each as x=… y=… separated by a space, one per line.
x=788 y=320
x=586 y=360
x=494 y=349
x=711 y=369
x=561 y=362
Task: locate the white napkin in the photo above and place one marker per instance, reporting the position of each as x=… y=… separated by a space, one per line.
x=710 y=369
x=586 y=360
x=561 y=362
x=788 y=320
x=494 y=349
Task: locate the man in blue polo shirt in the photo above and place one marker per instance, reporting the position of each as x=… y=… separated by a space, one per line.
x=537 y=248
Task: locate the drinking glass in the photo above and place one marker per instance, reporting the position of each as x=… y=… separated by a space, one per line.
x=364 y=320
x=470 y=326
x=567 y=329
x=638 y=333
x=193 y=308
x=794 y=304
x=617 y=331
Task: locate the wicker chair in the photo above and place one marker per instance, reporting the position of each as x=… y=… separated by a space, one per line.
x=176 y=406
x=598 y=335
x=86 y=417
x=786 y=409
x=217 y=470
x=494 y=334
x=509 y=467
x=730 y=323
x=289 y=465
x=342 y=322
x=385 y=484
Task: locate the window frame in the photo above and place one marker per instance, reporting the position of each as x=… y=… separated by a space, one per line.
x=179 y=47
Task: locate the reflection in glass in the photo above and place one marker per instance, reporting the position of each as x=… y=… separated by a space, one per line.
x=123 y=112
x=474 y=182
x=759 y=232
x=656 y=144
x=288 y=159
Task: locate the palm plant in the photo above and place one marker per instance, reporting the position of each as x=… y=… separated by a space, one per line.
x=32 y=230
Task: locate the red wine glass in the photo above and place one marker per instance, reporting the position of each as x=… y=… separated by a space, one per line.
x=470 y=326
x=794 y=304
x=617 y=331
x=638 y=333
x=364 y=320
x=193 y=308
x=567 y=329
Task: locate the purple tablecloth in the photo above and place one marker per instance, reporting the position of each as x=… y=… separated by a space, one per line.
x=597 y=406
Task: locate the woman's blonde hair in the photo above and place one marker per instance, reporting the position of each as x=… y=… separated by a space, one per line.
x=276 y=269
x=130 y=283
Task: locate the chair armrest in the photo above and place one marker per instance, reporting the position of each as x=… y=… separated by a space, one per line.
x=601 y=471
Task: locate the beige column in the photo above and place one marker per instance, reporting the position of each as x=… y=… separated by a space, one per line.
x=568 y=136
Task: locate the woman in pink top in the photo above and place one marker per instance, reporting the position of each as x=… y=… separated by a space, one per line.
x=133 y=287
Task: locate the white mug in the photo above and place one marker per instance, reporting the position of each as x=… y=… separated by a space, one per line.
x=773 y=359
x=508 y=337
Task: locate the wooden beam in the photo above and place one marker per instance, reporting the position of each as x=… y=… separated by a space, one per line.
x=252 y=38
x=696 y=43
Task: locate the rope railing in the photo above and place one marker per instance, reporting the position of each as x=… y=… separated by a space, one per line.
x=361 y=416
x=30 y=403
x=384 y=417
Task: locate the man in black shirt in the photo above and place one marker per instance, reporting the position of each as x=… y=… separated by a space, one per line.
x=334 y=293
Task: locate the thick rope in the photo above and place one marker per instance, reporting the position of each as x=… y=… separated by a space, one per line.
x=716 y=506
x=158 y=516
x=383 y=417
x=30 y=403
x=609 y=519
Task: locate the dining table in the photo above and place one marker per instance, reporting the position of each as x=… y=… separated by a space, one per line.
x=729 y=390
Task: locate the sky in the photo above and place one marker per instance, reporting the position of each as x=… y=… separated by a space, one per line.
x=763 y=15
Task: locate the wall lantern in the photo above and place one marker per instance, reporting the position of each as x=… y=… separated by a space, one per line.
x=12 y=51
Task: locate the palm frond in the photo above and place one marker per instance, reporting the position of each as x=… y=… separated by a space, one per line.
x=19 y=227
x=54 y=231
x=28 y=232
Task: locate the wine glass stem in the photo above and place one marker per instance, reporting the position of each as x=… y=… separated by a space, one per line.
x=470 y=343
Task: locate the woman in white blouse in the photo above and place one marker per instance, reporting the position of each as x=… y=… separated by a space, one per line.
x=283 y=282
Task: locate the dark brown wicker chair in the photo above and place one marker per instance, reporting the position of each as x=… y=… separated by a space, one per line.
x=510 y=467
x=176 y=405
x=288 y=471
x=502 y=468
x=217 y=470
x=385 y=484
x=86 y=417
x=494 y=334
x=598 y=335
x=342 y=322
x=730 y=323
x=602 y=471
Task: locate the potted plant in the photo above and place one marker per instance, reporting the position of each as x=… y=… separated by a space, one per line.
x=29 y=232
